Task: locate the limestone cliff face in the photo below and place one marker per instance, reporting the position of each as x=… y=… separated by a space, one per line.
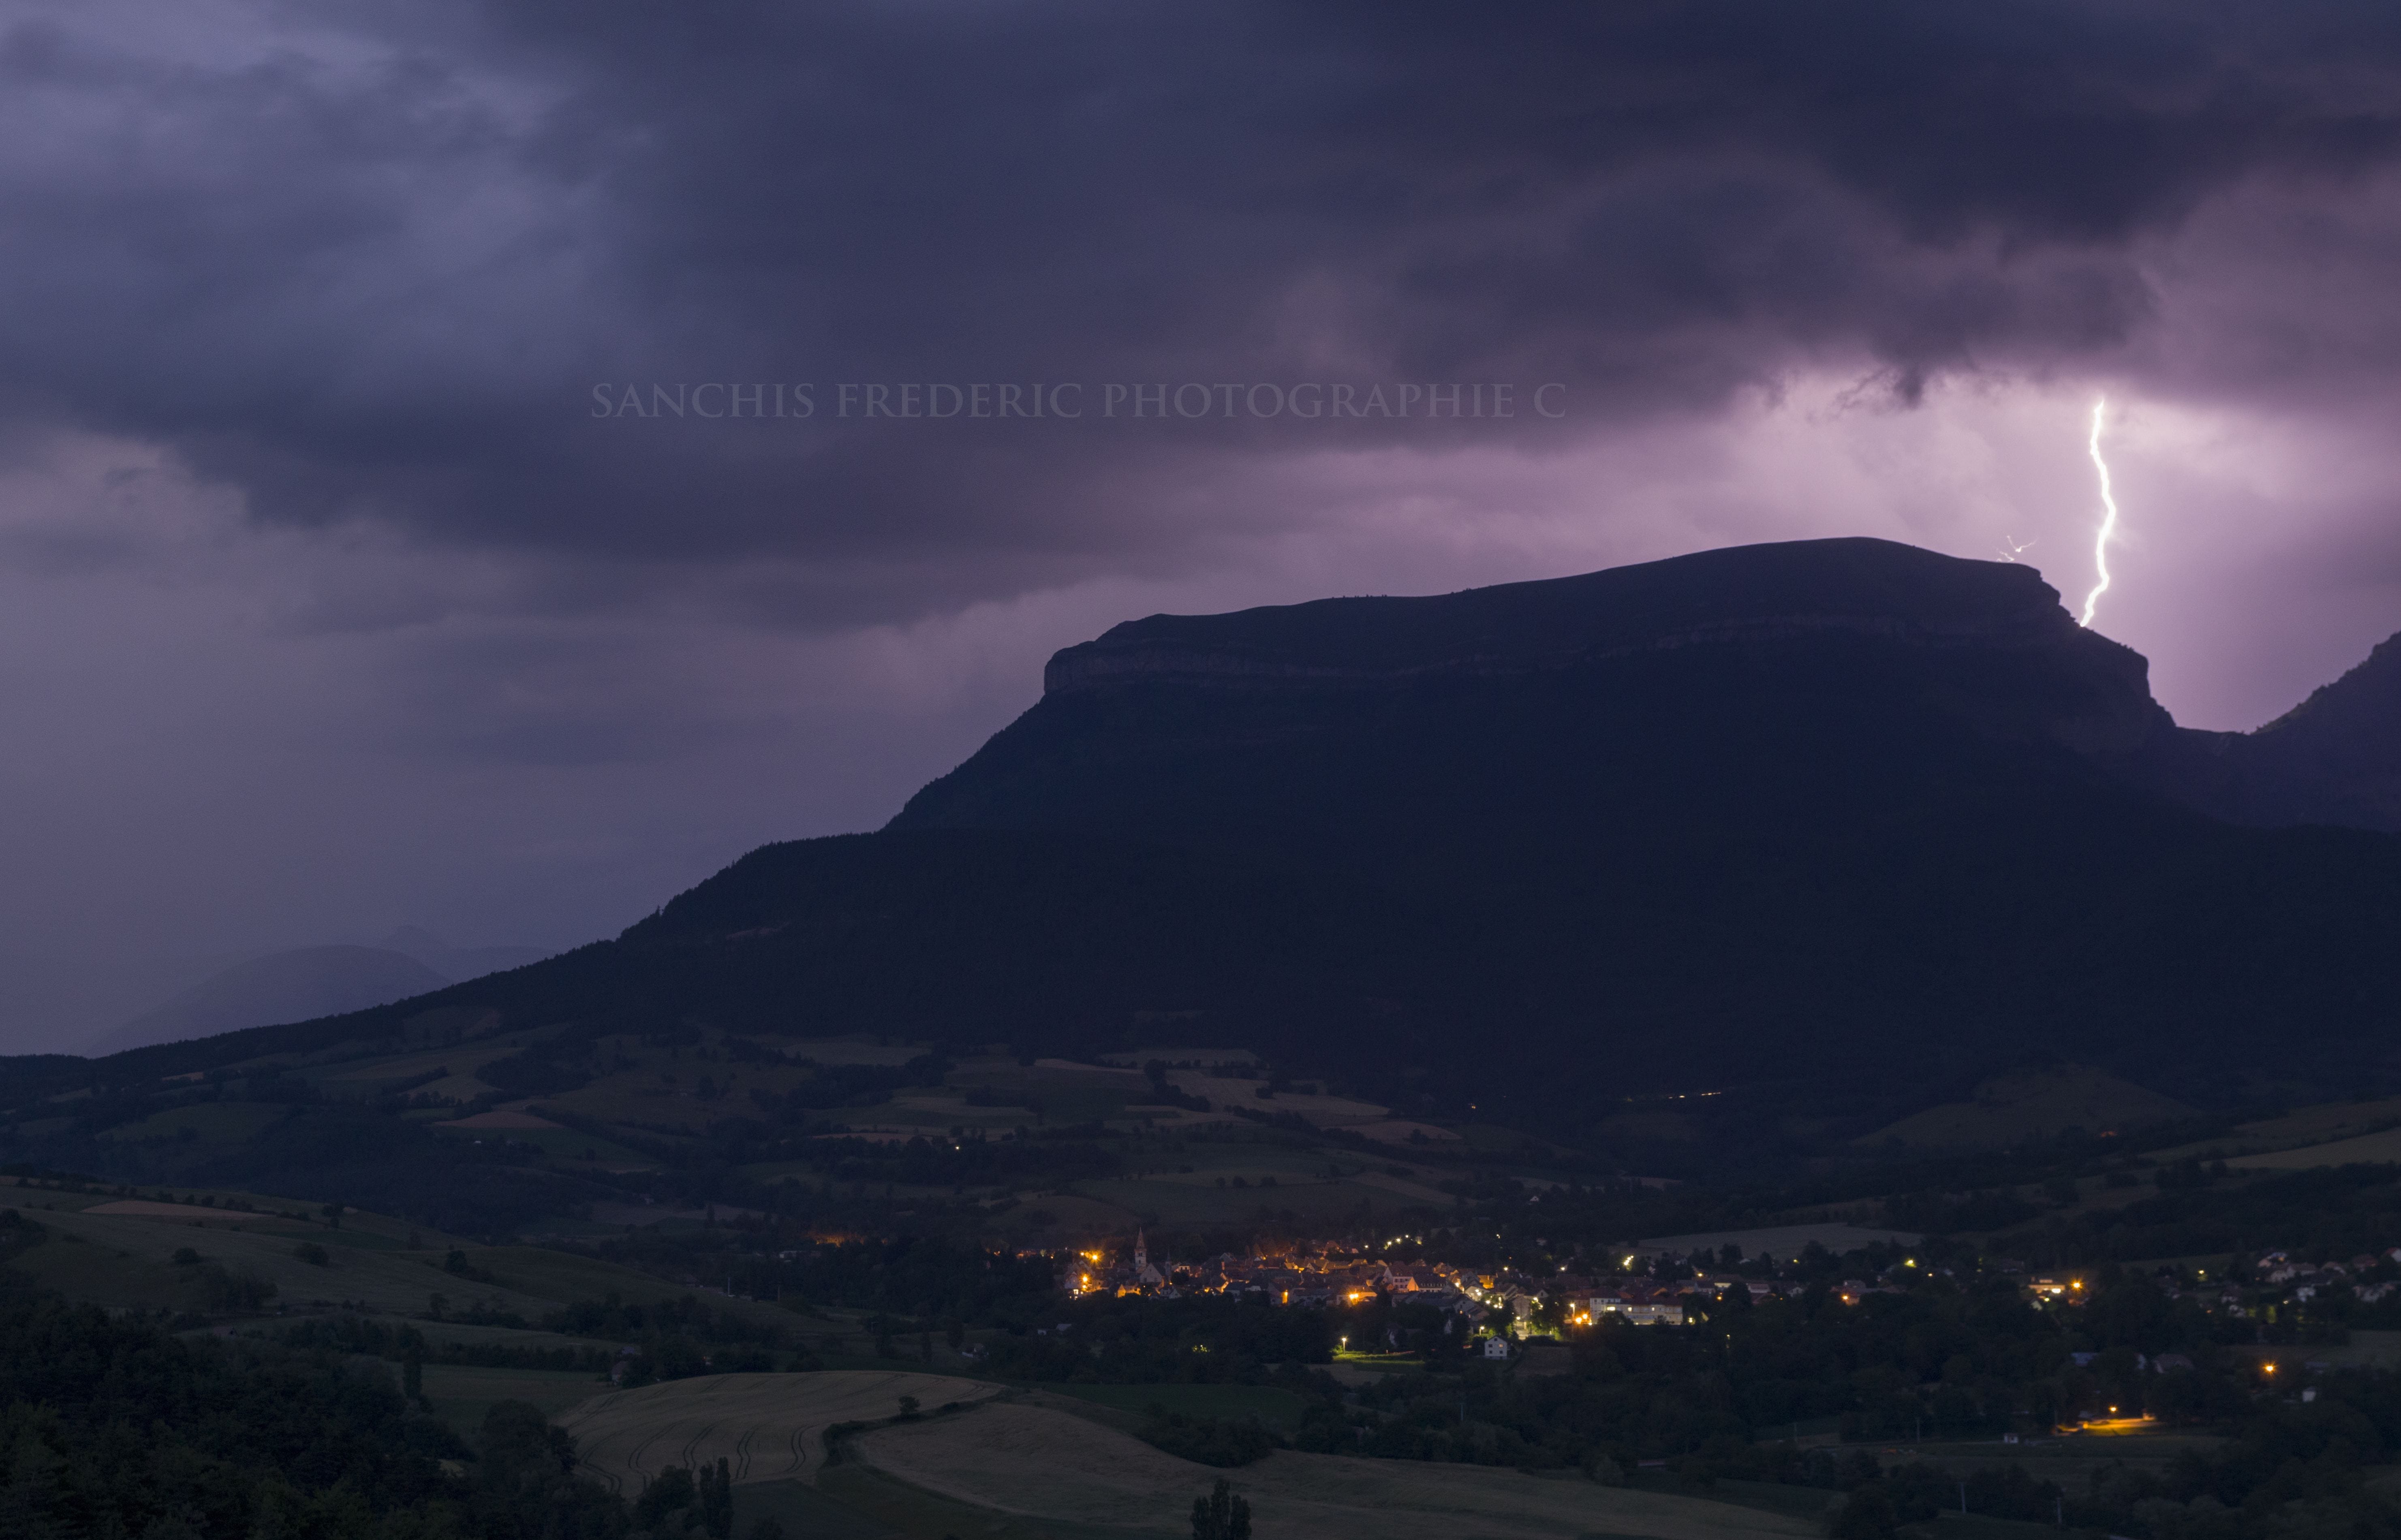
x=1866 y=627
x=1753 y=595
x=2002 y=655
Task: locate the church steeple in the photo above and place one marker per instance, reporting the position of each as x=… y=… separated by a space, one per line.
x=1141 y=1250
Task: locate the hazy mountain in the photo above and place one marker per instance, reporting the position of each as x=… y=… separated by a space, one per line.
x=459 y=962
x=1840 y=827
x=298 y=985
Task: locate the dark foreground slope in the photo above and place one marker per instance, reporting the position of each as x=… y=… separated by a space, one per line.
x=1834 y=827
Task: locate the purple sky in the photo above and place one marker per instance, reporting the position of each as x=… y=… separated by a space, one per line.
x=327 y=605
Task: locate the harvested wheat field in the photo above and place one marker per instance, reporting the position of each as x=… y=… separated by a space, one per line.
x=1048 y=1465
x=765 y=1426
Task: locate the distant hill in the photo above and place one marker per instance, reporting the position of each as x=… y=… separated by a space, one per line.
x=299 y=985
x=1823 y=828
x=2335 y=758
x=459 y=962
x=2030 y=1106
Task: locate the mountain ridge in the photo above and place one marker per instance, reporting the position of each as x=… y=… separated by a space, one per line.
x=2334 y=758
x=1763 y=592
x=1860 y=861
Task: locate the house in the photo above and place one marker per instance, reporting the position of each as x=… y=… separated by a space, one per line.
x=1640 y=1306
x=1496 y=1347
x=1644 y=1310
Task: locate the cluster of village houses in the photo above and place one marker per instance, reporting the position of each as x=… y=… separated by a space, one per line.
x=1333 y=1273
x=2305 y=1281
x=2275 y=1278
x=1505 y=1304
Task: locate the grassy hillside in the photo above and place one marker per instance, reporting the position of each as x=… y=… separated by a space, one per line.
x=766 y=1426
x=2383 y=1149
x=2030 y=1106
x=582 y=1138
x=123 y=1253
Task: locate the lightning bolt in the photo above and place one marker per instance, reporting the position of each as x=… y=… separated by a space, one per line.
x=2110 y=520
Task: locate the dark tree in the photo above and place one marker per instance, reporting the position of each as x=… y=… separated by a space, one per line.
x=672 y=1491
x=1221 y=1516
x=717 y=1500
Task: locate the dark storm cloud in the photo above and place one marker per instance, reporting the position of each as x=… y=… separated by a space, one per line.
x=379 y=276
x=325 y=605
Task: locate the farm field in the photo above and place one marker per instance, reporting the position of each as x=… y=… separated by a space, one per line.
x=2031 y=1104
x=560 y=1276
x=1275 y=1408
x=1047 y=1466
x=2304 y=1132
x=1323 y=1111
x=229 y=1122
x=2365 y=1150
x=766 y=1426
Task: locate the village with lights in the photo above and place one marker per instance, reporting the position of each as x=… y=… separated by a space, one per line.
x=1517 y=1309
x=1329 y=1274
